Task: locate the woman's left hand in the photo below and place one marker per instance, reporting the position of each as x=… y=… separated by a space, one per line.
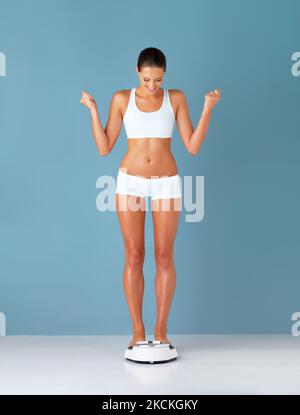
x=212 y=98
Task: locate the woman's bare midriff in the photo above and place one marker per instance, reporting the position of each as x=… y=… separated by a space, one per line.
x=149 y=157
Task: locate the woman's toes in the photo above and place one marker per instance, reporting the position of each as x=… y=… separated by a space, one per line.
x=135 y=339
x=163 y=339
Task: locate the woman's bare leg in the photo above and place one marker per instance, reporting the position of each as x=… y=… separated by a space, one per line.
x=132 y=227
x=165 y=222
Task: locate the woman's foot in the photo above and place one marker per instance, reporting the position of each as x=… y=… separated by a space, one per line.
x=163 y=339
x=136 y=339
x=138 y=335
x=160 y=335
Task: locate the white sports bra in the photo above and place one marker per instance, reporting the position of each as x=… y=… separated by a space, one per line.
x=155 y=124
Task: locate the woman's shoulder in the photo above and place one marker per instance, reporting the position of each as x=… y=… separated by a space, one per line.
x=176 y=97
x=121 y=95
x=121 y=99
x=123 y=92
x=176 y=92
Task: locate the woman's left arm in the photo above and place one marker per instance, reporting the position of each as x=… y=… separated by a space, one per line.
x=193 y=139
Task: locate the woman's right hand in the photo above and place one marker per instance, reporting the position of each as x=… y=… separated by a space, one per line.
x=88 y=101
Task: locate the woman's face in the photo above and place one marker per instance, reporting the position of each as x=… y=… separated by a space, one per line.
x=151 y=78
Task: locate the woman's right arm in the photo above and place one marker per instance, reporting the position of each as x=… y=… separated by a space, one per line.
x=105 y=138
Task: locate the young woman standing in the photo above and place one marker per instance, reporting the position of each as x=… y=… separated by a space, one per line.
x=149 y=169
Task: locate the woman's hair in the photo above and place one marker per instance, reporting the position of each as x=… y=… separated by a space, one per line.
x=152 y=57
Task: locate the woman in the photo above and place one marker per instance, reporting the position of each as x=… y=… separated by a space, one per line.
x=148 y=169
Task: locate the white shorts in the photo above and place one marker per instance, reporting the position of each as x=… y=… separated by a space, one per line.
x=166 y=187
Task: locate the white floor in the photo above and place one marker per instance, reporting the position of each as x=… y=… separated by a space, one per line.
x=207 y=364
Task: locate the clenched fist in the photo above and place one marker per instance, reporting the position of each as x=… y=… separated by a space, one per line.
x=212 y=98
x=88 y=101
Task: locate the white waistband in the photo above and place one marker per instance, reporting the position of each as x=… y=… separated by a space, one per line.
x=148 y=178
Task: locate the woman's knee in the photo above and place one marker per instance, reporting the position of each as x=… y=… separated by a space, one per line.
x=164 y=257
x=135 y=256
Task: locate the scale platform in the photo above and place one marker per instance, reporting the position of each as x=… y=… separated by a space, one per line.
x=151 y=351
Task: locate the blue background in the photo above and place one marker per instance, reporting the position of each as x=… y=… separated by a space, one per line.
x=61 y=258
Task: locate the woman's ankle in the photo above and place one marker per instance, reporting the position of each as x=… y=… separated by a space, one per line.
x=138 y=327
x=160 y=330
